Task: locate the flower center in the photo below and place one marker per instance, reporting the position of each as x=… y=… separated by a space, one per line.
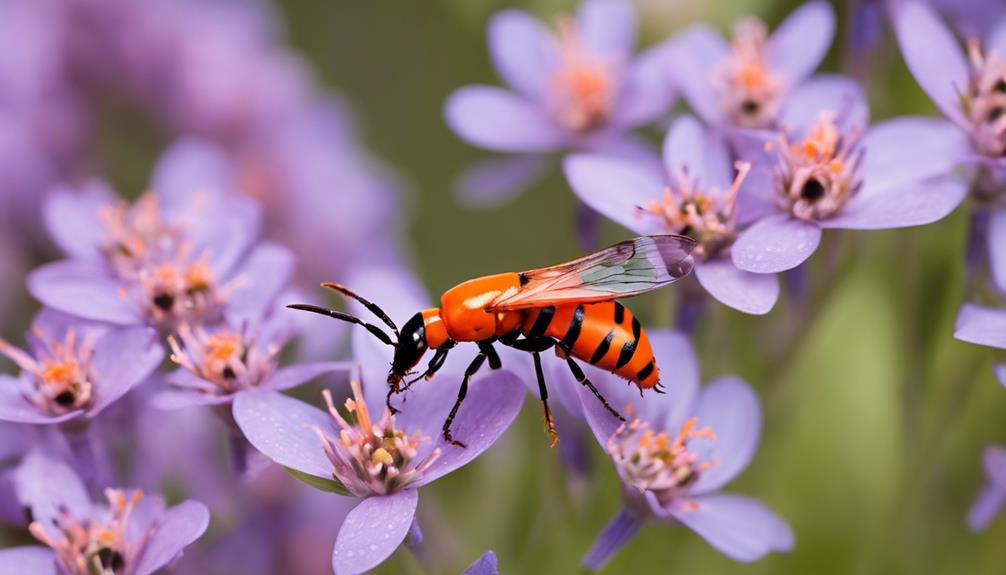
x=134 y=234
x=228 y=360
x=181 y=287
x=372 y=457
x=61 y=378
x=658 y=462
x=750 y=89
x=704 y=214
x=818 y=176
x=984 y=101
x=85 y=546
x=583 y=87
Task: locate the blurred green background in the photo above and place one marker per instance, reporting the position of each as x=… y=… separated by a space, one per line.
x=875 y=417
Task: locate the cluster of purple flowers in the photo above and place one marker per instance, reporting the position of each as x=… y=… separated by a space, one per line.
x=163 y=334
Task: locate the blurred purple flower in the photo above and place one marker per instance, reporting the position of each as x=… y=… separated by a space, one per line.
x=993 y=494
x=74 y=370
x=983 y=326
x=676 y=454
x=131 y=535
x=695 y=194
x=746 y=82
x=821 y=171
x=485 y=565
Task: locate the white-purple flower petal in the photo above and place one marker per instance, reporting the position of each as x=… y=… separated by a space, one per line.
x=775 y=244
x=372 y=531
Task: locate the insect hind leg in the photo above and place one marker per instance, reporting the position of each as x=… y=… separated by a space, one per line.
x=581 y=378
x=543 y=394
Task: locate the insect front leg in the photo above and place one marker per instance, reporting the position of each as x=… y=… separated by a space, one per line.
x=581 y=378
x=473 y=367
x=439 y=356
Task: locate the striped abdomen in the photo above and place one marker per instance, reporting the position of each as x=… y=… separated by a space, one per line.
x=604 y=334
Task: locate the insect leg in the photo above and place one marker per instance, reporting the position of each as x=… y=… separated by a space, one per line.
x=373 y=307
x=582 y=379
x=543 y=394
x=433 y=367
x=494 y=358
x=373 y=329
x=473 y=367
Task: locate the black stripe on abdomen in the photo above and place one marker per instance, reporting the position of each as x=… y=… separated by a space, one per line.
x=629 y=349
x=619 y=313
x=573 y=331
x=645 y=372
x=542 y=322
x=602 y=348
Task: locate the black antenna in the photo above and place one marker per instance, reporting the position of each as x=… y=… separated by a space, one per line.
x=378 y=332
x=373 y=307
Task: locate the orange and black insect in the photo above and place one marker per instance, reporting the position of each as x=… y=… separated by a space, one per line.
x=570 y=306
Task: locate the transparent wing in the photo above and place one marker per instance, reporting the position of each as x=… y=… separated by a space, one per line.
x=625 y=269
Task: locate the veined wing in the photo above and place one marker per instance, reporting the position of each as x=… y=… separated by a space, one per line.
x=625 y=269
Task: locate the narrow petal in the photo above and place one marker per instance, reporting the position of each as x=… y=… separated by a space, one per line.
x=994 y=464
x=83 y=290
x=647 y=90
x=28 y=560
x=524 y=51
x=277 y=426
x=824 y=94
x=702 y=153
x=801 y=41
x=744 y=291
x=775 y=244
x=741 y=528
x=608 y=27
x=619 y=531
x=180 y=526
x=485 y=565
x=617 y=189
x=15 y=408
x=986 y=507
x=699 y=53
x=932 y=53
x=495 y=119
x=997 y=247
x=491 y=405
x=907 y=204
x=46 y=485
x=493 y=182
x=981 y=325
x=730 y=407
x=72 y=219
x=372 y=531
x=910 y=149
x=265 y=273
x=294 y=375
x=123 y=358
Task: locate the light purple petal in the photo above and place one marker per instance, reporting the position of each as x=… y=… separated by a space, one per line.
x=226 y=232
x=46 y=485
x=28 y=560
x=180 y=526
x=910 y=149
x=123 y=358
x=775 y=244
x=741 y=528
x=702 y=153
x=493 y=182
x=932 y=53
x=372 y=531
x=14 y=407
x=492 y=403
x=909 y=204
x=181 y=398
x=994 y=464
x=981 y=325
x=277 y=426
x=730 y=407
x=83 y=290
x=495 y=119
x=619 y=531
x=524 y=51
x=647 y=90
x=189 y=169
x=294 y=375
x=608 y=27
x=986 y=507
x=825 y=94
x=801 y=41
x=997 y=36
x=757 y=197
x=72 y=219
x=699 y=53
x=997 y=247
x=744 y=291
x=485 y=565
x=617 y=188
x=265 y=274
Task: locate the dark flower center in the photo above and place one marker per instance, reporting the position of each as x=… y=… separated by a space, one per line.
x=229 y=373
x=813 y=190
x=66 y=399
x=750 y=107
x=164 y=301
x=111 y=559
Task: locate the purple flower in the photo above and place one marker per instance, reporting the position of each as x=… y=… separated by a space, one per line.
x=993 y=494
x=133 y=534
x=746 y=82
x=822 y=171
x=677 y=452
x=983 y=326
x=695 y=193
x=73 y=369
x=485 y=565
